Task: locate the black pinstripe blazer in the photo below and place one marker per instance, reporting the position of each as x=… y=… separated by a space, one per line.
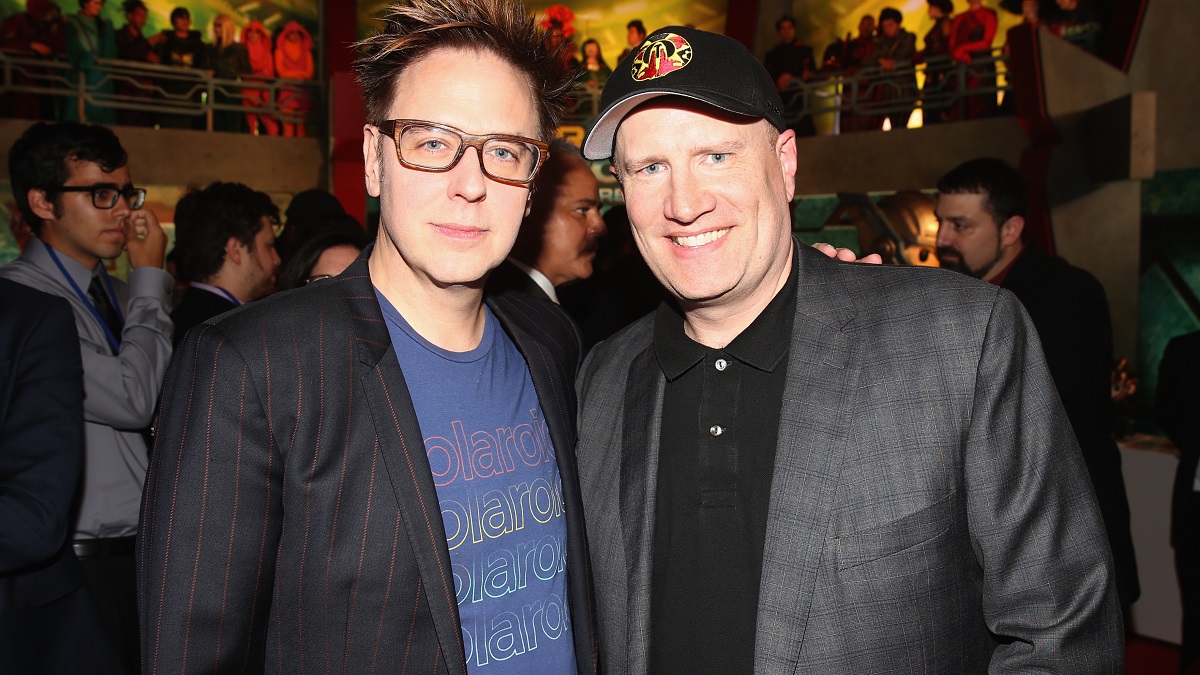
x=290 y=523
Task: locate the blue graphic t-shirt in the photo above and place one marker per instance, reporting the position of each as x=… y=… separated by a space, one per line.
x=501 y=499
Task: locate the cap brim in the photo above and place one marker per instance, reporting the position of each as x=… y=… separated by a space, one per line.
x=599 y=142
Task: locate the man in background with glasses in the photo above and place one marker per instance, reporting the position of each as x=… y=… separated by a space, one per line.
x=375 y=472
x=73 y=187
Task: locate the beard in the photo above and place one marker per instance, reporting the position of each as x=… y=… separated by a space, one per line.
x=952 y=259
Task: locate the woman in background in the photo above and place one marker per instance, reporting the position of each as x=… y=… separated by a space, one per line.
x=595 y=70
x=228 y=59
x=325 y=255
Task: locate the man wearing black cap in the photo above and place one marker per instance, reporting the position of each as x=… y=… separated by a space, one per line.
x=806 y=465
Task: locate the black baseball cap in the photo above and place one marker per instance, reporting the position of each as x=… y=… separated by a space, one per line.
x=696 y=64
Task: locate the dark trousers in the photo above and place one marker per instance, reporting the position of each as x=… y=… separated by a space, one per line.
x=1187 y=565
x=108 y=566
x=49 y=624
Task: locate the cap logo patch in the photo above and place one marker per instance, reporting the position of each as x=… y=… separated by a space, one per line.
x=662 y=54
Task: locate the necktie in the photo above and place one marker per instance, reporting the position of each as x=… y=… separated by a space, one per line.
x=104 y=306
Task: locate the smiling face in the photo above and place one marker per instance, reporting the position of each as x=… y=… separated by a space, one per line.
x=74 y=226
x=708 y=202
x=450 y=228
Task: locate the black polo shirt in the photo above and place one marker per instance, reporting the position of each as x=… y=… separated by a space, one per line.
x=720 y=424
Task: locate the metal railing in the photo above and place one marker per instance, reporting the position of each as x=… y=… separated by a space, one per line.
x=160 y=90
x=866 y=92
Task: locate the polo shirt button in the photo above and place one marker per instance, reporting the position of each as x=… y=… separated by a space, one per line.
x=715 y=430
x=721 y=364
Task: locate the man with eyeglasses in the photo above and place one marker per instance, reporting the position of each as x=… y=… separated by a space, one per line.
x=375 y=472
x=225 y=246
x=72 y=185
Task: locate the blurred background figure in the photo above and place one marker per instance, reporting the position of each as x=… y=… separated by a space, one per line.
x=635 y=32
x=132 y=45
x=894 y=50
x=228 y=59
x=89 y=37
x=326 y=254
x=595 y=70
x=981 y=211
x=1081 y=25
x=37 y=31
x=225 y=246
x=936 y=57
x=789 y=60
x=310 y=212
x=559 y=238
x=294 y=61
x=1177 y=403
x=262 y=64
x=971 y=35
x=182 y=47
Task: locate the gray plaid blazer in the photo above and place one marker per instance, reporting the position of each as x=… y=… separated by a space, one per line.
x=930 y=510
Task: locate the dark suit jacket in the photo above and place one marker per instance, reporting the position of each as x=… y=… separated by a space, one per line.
x=1070 y=311
x=290 y=520
x=928 y=513
x=1177 y=403
x=48 y=621
x=196 y=307
x=509 y=277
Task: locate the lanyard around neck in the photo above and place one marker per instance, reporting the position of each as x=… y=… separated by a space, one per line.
x=112 y=339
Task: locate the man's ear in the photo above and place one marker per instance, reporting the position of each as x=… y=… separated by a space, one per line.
x=43 y=207
x=785 y=148
x=1010 y=231
x=371 y=142
x=234 y=250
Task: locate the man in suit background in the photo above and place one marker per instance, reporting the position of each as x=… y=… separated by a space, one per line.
x=48 y=620
x=807 y=465
x=73 y=186
x=981 y=220
x=559 y=238
x=224 y=245
x=308 y=443
x=1176 y=402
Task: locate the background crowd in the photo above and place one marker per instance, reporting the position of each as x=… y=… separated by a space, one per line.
x=243 y=56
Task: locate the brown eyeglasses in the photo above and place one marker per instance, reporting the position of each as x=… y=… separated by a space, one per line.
x=429 y=146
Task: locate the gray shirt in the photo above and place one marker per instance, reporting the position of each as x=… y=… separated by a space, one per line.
x=120 y=391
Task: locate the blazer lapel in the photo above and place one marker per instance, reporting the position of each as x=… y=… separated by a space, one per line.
x=402 y=448
x=812 y=440
x=552 y=378
x=639 y=476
